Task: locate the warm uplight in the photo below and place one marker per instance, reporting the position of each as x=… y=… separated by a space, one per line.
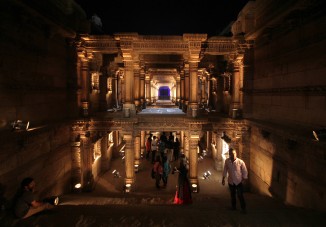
x=77 y=186
x=319 y=134
x=194 y=187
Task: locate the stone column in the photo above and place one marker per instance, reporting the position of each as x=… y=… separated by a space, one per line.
x=142 y=88
x=137 y=149
x=148 y=89
x=193 y=158
x=76 y=165
x=86 y=160
x=182 y=135
x=187 y=89
x=85 y=86
x=142 y=143
x=182 y=89
x=178 y=90
x=193 y=102
x=237 y=64
x=129 y=157
x=129 y=87
x=137 y=89
x=105 y=156
x=186 y=144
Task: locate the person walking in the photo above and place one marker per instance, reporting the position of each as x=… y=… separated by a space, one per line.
x=148 y=146
x=183 y=193
x=166 y=170
x=158 y=169
x=237 y=173
x=154 y=148
x=26 y=203
x=176 y=149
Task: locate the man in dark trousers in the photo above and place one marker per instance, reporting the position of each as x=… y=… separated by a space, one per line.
x=237 y=173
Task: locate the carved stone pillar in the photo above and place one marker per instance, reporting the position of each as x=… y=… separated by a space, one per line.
x=193 y=90
x=182 y=89
x=137 y=89
x=148 y=88
x=105 y=156
x=182 y=135
x=86 y=160
x=142 y=143
x=178 y=90
x=186 y=144
x=85 y=86
x=193 y=158
x=237 y=64
x=187 y=88
x=137 y=149
x=76 y=164
x=129 y=157
x=142 y=88
x=129 y=86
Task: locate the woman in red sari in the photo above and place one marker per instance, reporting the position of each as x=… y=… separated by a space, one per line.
x=183 y=193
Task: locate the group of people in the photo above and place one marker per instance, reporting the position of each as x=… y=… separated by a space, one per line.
x=162 y=146
x=26 y=203
x=165 y=150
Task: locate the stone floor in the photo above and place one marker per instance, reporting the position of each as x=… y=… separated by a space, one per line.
x=108 y=205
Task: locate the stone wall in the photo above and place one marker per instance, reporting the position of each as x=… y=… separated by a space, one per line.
x=290 y=170
x=287 y=100
x=37 y=84
x=289 y=82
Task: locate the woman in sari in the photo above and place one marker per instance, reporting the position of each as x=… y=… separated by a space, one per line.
x=183 y=193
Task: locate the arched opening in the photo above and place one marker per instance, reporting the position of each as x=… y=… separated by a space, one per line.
x=164 y=93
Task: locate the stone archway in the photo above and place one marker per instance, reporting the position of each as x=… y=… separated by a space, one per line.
x=164 y=93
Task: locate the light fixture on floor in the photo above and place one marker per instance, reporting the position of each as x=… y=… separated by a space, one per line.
x=194 y=188
x=200 y=158
x=206 y=175
x=20 y=125
x=116 y=174
x=136 y=168
x=54 y=200
x=127 y=187
x=319 y=134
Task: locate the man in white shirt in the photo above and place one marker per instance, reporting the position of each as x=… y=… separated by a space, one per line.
x=237 y=174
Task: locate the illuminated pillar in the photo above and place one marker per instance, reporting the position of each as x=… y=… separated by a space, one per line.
x=148 y=88
x=182 y=89
x=137 y=149
x=193 y=158
x=129 y=86
x=85 y=86
x=187 y=88
x=76 y=165
x=142 y=88
x=129 y=158
x=137 y=89
x=236 y=77
x=178 y=90
x=86 y=161
x=142 y=143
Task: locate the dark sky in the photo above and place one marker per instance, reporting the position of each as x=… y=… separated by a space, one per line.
x=164 y=17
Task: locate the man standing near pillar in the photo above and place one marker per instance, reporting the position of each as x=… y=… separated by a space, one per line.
x=237 y=174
